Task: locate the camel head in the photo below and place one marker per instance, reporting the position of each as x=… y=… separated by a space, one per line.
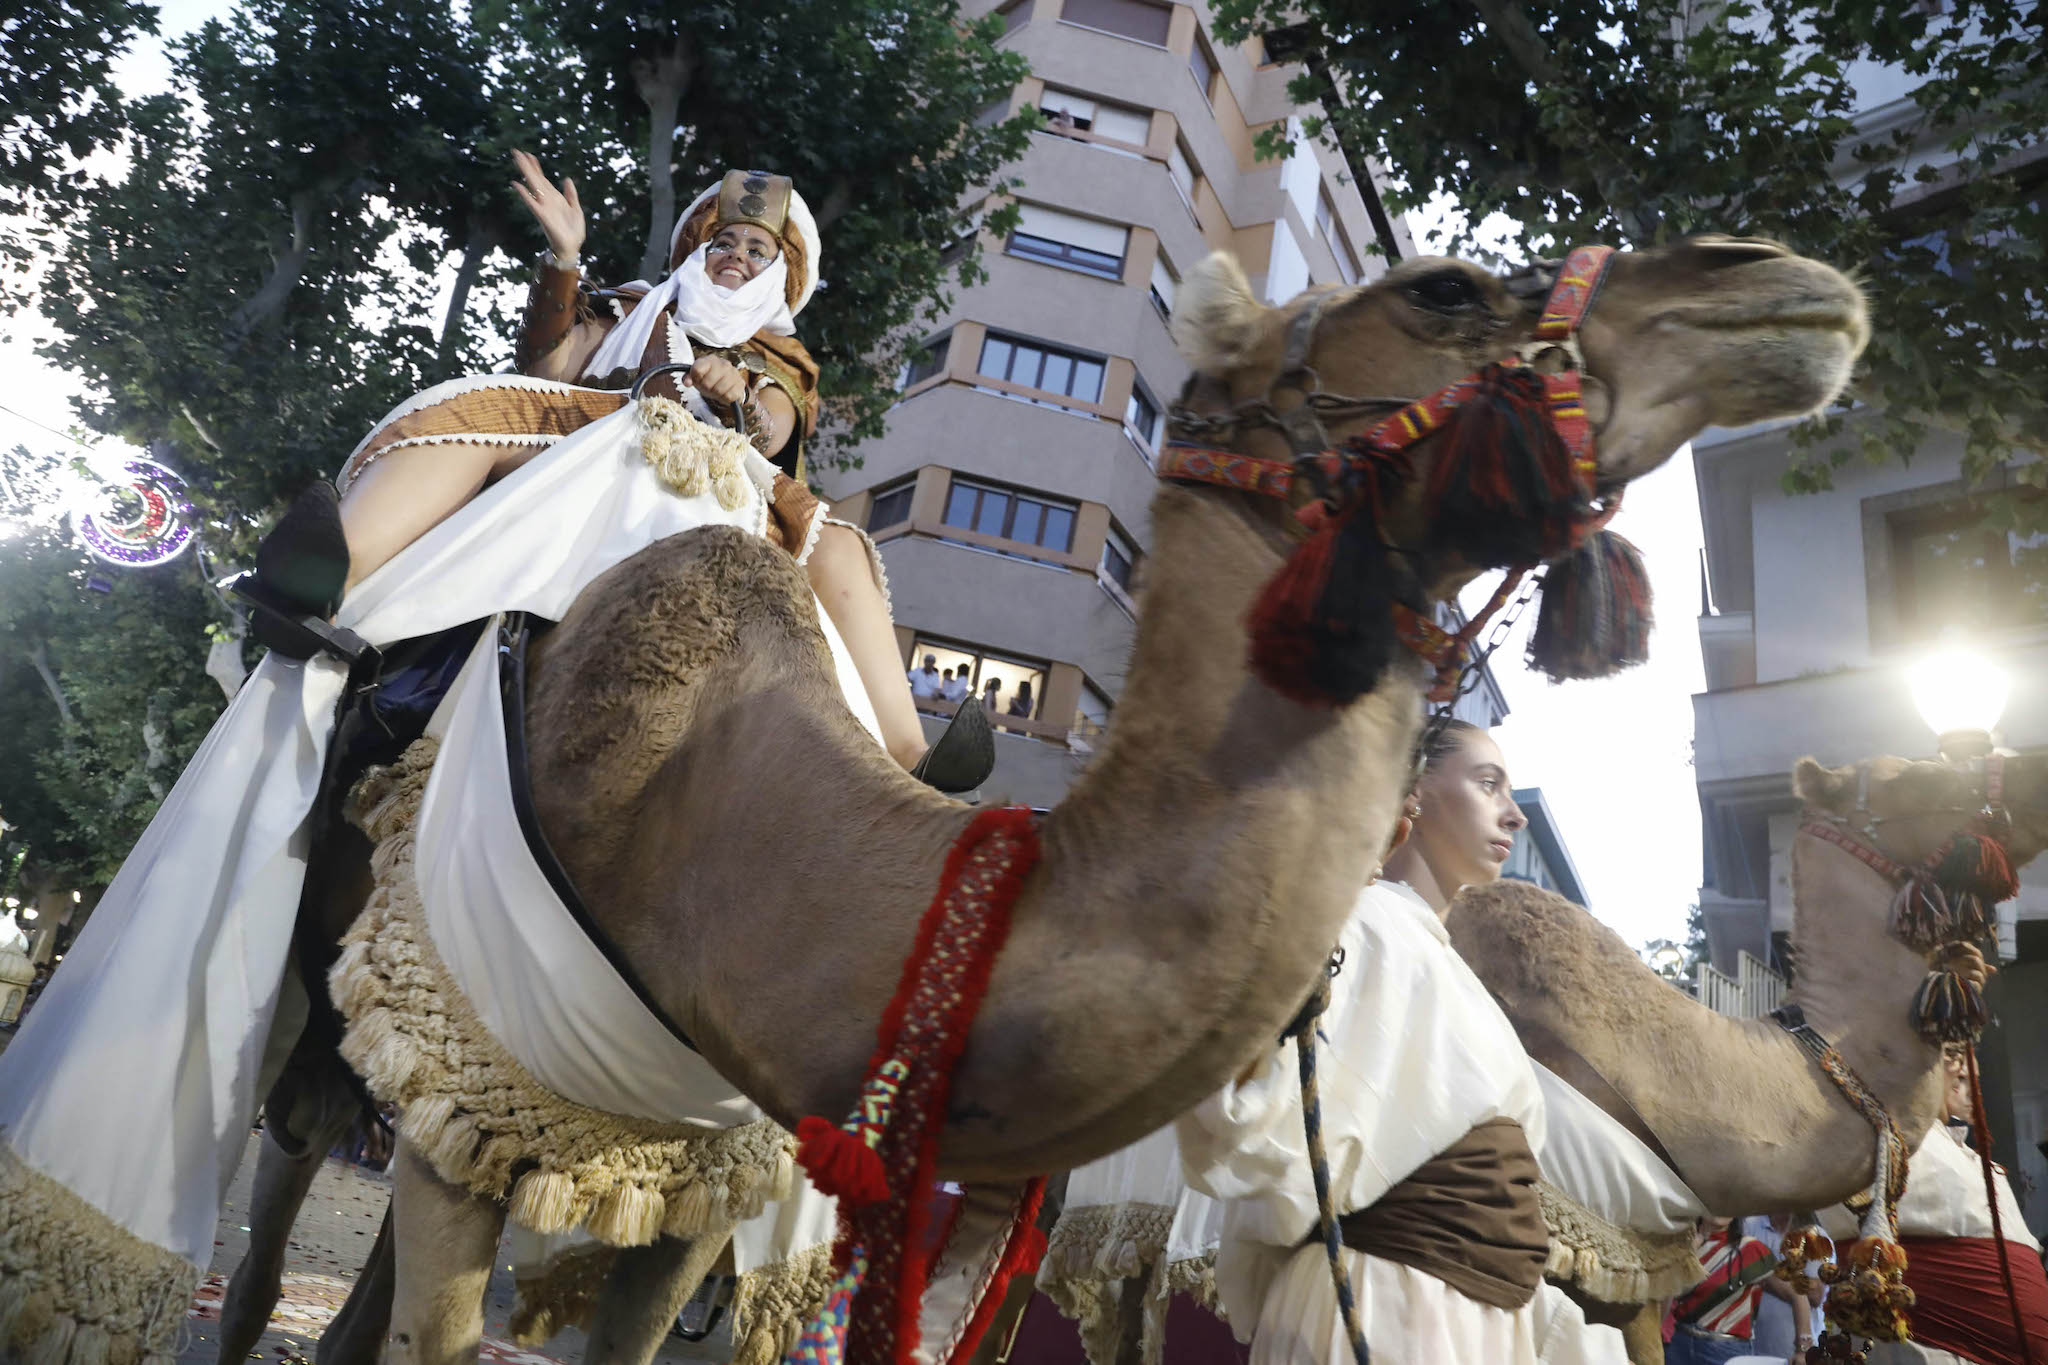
x=1910 y=809
x=1706 y=331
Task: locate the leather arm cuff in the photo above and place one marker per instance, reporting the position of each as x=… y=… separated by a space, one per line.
x=552 y=312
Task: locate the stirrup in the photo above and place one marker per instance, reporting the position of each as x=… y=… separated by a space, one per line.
x=965 y=754
x=295 y=634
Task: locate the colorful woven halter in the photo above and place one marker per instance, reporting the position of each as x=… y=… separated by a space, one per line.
x=1564 y=313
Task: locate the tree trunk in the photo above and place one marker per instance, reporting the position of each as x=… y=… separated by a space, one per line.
x=660 y=78
x=473 y=253
x=267 y=302
x=39 y=655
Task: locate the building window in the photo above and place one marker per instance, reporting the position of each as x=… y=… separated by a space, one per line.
x=1065 y=239
x=1009 y=515
x=1950 y=569
x=891 y=506
x=1146 y=21
x=1034 y=366
x=1141 y=415
x=1014 y=15
x=1068 y=113
x=926 y=361
x=1165 y=284
x=1333 y=233
x=1119 y=564
x=1202 y=66
x=1091 y=716
x=1006 y=685
x=1181 y=168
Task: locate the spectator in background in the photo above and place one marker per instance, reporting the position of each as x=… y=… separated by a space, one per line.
x=925 y=682
x=956 y=690
x=1020 y=704
x=989 y=701
x=1786 y=1321
x=1711 y=1322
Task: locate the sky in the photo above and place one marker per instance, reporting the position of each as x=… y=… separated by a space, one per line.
x=1614 y=758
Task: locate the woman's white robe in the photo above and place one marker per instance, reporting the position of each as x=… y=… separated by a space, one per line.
x=1416 y=1054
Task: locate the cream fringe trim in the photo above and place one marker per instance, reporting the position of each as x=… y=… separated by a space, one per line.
x=774 y=1301
x=1614 y=1264
x=562 y=1293
x=1092 y=1252
x=75 y=1287
x=478 y=1117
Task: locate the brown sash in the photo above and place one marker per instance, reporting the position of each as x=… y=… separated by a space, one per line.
x=1468 y=1216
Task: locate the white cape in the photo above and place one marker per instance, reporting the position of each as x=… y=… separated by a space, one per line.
x=133 y=1083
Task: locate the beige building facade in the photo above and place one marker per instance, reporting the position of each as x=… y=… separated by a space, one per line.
x=1009 y=496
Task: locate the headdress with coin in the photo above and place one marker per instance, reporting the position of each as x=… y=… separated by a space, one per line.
x=708 y=313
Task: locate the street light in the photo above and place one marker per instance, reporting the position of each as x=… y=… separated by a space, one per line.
x=1960 y=695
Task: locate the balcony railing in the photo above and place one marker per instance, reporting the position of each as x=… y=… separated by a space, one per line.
x=1755 y=990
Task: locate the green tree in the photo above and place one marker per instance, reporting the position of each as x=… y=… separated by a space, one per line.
x=58 y=105
x=255 y=283
x=873 y=106
x=1598 y=120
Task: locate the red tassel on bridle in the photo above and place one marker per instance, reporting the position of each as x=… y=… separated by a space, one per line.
x=1977 y=864
x=1504 y=488
x=1595 y=616
x=1322 y=628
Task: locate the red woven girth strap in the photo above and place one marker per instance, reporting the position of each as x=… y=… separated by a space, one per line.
x=922 y=1034
x=1864 y=853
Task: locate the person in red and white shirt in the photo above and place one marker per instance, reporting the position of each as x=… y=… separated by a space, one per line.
x=1711 y=1322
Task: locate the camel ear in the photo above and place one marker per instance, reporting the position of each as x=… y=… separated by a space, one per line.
x=1819 y=785
x=1216 y=316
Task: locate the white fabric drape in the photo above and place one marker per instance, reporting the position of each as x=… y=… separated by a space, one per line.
x=694 y=307
x=1587 y=1154
x=133 y=1081
x=1417 y=1055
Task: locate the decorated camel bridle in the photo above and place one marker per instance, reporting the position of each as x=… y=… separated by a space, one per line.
x=1515 y=485
x=1942 y=906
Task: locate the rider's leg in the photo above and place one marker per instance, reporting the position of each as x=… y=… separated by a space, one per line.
x=845 y=584
x=407 y=493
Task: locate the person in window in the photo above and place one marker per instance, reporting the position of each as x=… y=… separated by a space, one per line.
x=1431 y=1144
x=1060 y=123
x=990 y=702
x=955 y=690
x=1020 y=704
x=1712 y=1321
x=925 y=682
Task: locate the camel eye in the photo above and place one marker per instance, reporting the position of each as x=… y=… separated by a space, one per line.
x=1447 y=292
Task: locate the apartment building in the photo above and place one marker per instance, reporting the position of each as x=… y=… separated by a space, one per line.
x=1009 y=496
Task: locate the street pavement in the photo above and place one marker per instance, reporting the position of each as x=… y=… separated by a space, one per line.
x=335 y=1229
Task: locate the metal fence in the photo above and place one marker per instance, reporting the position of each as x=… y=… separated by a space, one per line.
x=1754 y=990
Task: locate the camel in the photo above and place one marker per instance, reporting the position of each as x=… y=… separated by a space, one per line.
x=1685 y=1069
x=709 y=793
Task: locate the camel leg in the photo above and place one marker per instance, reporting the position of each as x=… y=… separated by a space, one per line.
x=1130 y=1318
x=647 y=1287
x=1643 y=1336
x=446 y=1240
x=282 y=1180
x=357 y=1332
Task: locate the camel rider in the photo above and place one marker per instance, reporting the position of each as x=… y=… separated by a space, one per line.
x=1431 y=1118
x=744 y=260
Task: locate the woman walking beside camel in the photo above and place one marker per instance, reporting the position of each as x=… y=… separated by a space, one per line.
x=1431 y=1139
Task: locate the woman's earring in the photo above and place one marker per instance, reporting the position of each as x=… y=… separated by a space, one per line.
x=1415 y=811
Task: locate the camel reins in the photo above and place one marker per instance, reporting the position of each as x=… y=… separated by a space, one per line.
x=1333 y=471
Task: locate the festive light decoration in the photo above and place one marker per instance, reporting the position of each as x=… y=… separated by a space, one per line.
x=138 y=517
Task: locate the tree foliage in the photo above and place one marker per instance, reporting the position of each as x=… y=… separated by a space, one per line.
x=316 y=222
x=1906 y=141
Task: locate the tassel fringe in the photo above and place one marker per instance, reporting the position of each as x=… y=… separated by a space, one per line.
x=1595 y=616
